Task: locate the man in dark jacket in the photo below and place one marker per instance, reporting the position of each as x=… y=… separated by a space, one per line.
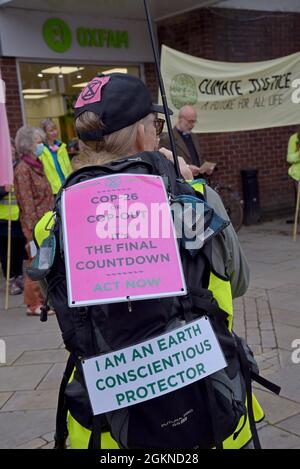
x=187 y=143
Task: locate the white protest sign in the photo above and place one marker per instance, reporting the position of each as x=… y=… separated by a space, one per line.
x=152 y=368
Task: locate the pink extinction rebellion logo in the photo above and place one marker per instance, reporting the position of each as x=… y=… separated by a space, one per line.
x=92 y=92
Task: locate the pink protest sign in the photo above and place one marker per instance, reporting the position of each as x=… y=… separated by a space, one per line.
x=119 y=241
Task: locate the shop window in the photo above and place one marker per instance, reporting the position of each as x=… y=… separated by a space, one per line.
x=50 y=90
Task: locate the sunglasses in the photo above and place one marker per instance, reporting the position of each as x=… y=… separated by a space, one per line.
x=159 y=125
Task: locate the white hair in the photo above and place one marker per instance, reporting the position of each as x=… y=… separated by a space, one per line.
x=185 y=110
x=25 y=139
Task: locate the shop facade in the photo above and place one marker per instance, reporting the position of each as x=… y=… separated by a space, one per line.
x=46 y=59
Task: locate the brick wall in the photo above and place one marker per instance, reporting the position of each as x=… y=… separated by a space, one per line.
x=151 y=80
x=13 y=105
x=242 y=36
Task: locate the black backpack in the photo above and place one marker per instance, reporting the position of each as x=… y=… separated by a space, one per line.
x=200 y=415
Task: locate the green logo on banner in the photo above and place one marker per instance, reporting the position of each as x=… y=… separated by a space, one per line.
x=183 y=90
x=57 y=35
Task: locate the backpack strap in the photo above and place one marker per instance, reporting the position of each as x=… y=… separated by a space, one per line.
x=203 y=300
x=211 y=398
x=95 y=438
x=247 y=375
x=265 y=383
x=48 y=287
x=114 y=167
x=186 y=307
x=61 y=430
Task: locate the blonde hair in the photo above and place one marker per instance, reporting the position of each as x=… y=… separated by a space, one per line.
x=47 y=122
x=113 y=146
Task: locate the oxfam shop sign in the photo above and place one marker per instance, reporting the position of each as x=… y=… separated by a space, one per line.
x=58 y=36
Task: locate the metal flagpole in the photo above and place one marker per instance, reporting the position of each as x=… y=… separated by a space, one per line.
x=8 y=250
x=162 y=89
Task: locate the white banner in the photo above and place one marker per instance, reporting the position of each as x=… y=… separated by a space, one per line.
x=153 y=368
x=233 y=96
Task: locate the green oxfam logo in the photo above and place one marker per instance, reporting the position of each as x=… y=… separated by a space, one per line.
x=57 y=35
x=183 y=90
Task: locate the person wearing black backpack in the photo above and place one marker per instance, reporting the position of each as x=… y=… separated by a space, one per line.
x=117 y=126
x=228 y=257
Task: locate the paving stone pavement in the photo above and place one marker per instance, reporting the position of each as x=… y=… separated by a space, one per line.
x=268 y=316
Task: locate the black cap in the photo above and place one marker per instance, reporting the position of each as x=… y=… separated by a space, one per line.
x=118 y=99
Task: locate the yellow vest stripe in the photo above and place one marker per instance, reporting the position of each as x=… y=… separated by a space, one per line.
x=80 y=436
x=198 y=185
x=42 y=228
x=9 y=210
x=221 y=290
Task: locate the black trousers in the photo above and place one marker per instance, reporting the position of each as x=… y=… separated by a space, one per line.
x=18 y=253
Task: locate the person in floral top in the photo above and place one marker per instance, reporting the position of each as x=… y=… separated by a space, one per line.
x=34 y=197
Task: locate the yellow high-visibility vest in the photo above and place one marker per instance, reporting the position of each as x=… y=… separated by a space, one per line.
x=293 y=157
x=9 y=210
x=49 y=166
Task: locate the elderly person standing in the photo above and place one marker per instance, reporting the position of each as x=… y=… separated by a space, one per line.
x=55 y=157
x=187 y=143
x=9 y=210
x=34 y=196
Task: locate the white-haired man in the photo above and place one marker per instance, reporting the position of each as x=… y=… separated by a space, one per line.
x=187 y=143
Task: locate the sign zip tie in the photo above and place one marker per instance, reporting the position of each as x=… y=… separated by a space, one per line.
x=129 y=304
